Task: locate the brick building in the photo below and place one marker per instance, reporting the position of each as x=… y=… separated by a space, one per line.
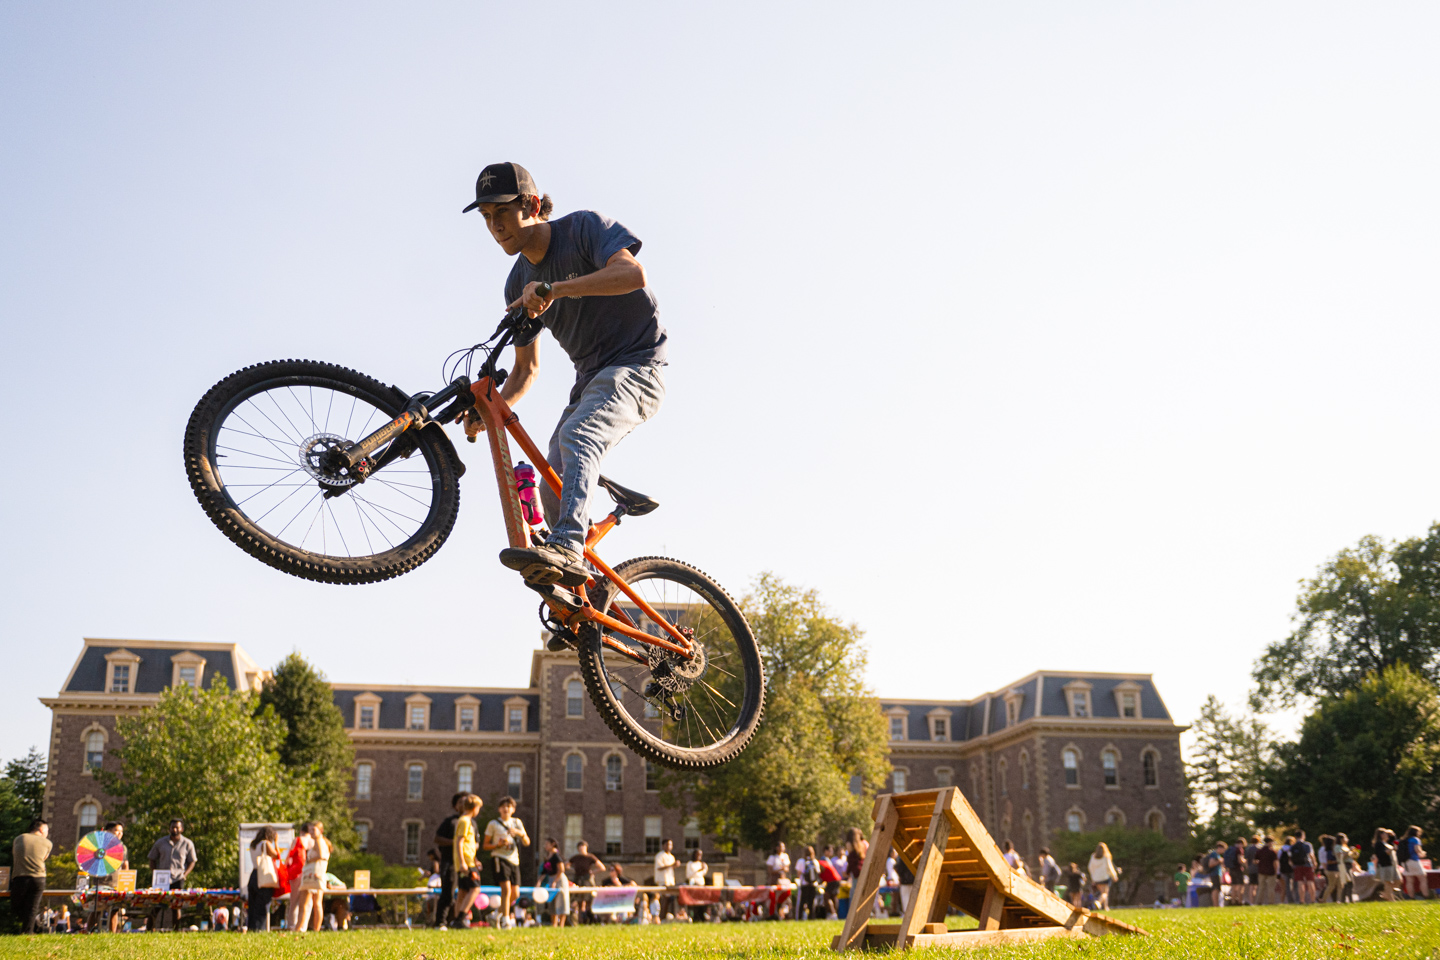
x=1052 y=752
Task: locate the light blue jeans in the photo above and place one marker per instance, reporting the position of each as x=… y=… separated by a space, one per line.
x=617 y=401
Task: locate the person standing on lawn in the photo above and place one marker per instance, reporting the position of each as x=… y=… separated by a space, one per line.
x=1267 y=860
x=445 y=847
x=503 y=838
x=1302 y=862
x=1214 y=867
x=1181 y=879
x=1386 y=872
x=1252 y=870
x=665 y=877
x=467 y=865
x=27 y=873
x=1411 y=854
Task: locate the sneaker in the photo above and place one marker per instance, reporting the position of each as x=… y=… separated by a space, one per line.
x=547 y=564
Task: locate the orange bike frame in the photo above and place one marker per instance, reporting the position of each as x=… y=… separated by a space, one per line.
x=496 y=413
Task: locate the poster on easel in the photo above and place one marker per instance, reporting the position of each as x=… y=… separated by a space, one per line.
x=125 y=881
x=361 y=881
x=159 y=879
x=284 y=839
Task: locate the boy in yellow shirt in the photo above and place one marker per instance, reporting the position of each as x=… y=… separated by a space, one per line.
x=467 y=866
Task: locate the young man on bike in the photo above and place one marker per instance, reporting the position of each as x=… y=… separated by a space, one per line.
x=608 y=322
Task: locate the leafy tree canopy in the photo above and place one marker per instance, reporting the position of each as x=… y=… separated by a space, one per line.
x=822 y=727
x=1226 y=773
x=316 y=745
x=22 y=797
x=1372 y=606
x=1367 y=758
x=207 y=757
x=1141 y=855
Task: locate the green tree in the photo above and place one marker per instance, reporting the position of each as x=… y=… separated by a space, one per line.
x=207 y=757
x=1367 y=758
x=1371 y=606
x=822 y=727
x=22 y=797
x=1230 y=755
x=316 y=745
x=1141 y=855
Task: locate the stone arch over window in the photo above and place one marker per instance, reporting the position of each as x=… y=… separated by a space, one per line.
x=574 y=688
x=87 y=815
x=93 y=741
x=1127 y=700
x=415 y=780
x=1070 y=759
x=1114 y=817
x=364 y=779
x=514 y=780
x=944 y=777
x=1075 y=820
x=1002 y=774
x=1150 y=767
x=464 y=777
x=1155 y=820
x=575 y=770
x=1110 y=766
x=1024 y=769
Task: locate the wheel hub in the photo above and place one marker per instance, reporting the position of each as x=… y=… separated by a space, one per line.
x=319 y=456
x=674 y=674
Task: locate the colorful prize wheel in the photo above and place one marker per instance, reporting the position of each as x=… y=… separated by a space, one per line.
x=100 y=853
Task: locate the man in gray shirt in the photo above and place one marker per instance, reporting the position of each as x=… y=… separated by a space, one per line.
x=27 y=877
x=175 y=853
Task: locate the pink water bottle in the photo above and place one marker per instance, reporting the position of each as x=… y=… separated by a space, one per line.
x=529 y=494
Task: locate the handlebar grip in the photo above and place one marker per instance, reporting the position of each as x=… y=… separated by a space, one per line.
x=544 y=289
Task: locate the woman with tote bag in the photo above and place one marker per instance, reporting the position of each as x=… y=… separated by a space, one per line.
x=264 y=879
x=1103 y=873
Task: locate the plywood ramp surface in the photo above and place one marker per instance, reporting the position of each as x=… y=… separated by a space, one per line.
x=956 y=863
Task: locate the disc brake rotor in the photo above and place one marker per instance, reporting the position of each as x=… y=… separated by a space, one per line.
x=672 y=672
x=316 y=459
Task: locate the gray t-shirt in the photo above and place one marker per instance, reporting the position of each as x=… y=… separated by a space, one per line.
x=596 y=332
x=177 y=856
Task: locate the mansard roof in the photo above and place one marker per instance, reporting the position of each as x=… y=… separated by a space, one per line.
x=153 y=672
x=391 y=715
x=1041 y=695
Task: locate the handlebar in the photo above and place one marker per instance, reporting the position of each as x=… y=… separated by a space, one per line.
x=506 y=333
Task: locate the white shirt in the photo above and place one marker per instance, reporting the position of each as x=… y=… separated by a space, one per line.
x=1101 y=870
x=695 y=872
x=779 y=863
x=664 y=869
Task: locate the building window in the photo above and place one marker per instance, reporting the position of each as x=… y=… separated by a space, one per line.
x=89 y=817
x=367 y=717
x=574 y=699
x=417 y=716
x=362 y=781
x=692 y=835
x=412 y=842
x=467 y=719
x=898 y=779
x=188 y=677
x=613 y=766
x=514 y=778
x=1024 y=770
x=614 y=834
x=362 y=830
x=415 y=782
x=1114 y=817
x=1002 y=773
x=120 y=678
x=464 y=778
x=1071 y=759
x=897 y=727
x=1151 y=769
x=939 y=728
x=1074 y=821
x=944 y=777
x=94 y=750
x=1129 y=705
x=574 y=832
x=1155 y=820
x=574 y=772
x=1110 y=763
x=652 y=836
x=652 y=781
x=1012 y=712
x=516 y=720
x=1079 y=703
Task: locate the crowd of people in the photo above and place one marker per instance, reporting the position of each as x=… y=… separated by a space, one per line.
x=1257 y=870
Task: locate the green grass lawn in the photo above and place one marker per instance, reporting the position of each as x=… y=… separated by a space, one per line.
x=1368 y=929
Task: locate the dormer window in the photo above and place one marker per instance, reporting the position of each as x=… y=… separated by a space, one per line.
x=1014 y=700
x=120 y=678
x=417 y=712
x=1127 y=700
x=187 y=670
x=121 y=666
x=939 y=724
x=899 y=719
x=367 y=711
x=1077 y=697
x=417 y=717
x=517 y=715
x=467 y=719
x=367 y=717
x=467 y=714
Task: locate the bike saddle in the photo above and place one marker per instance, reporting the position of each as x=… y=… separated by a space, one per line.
x=636 y=504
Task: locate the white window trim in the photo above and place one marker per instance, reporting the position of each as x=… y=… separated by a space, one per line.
x=99 y=814
x=524 y=704
x=474 y=704
x=949 y=770
x=605 y=763
x=363 y=822
x=124 y=656
x=1154 y=812
x=187 y=658
x=1115 y=817
x=1079 y=765
x=424 y=769
x=458 y=765
x=419 y=844
x=945 y=715
x=565 y=694
x=1014 y=703
x=515 y=766
x=1119 y=761
x=419 y=700
x=1150 y=751
x=364 y=763
x=85 y=747
x=890 y=716
x=1128 y=686
x=1084 y=821
x=1024 y=762
x=367 y=700
x=903 y=771
x=565 y=771
x=1079 y=689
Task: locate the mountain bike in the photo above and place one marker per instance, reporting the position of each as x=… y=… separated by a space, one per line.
x=333 y=476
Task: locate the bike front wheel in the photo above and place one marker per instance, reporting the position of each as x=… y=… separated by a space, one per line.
x=688 y=715
x=255 y=451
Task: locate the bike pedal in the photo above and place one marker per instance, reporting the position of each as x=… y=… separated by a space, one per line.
x=541 y=574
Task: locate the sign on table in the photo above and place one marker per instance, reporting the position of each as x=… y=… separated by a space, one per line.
x=614 y=900
x=125 y=881
x=361 y=881
x=160 y=880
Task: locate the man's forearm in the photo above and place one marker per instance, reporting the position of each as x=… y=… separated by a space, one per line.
x=611 y=280
x=518 y=383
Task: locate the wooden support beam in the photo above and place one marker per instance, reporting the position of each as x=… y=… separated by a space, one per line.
x=927 y=872
x=872 y=872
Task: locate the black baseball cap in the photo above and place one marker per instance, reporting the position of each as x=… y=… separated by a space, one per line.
x=502 y=182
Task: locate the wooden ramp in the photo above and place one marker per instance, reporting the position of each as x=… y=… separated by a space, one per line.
x=954 y=860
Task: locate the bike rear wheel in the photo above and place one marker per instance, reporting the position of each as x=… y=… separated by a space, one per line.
x=254 y=453
x=686 y=715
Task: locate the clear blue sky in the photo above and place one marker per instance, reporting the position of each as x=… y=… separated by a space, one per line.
x=1033 y=335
